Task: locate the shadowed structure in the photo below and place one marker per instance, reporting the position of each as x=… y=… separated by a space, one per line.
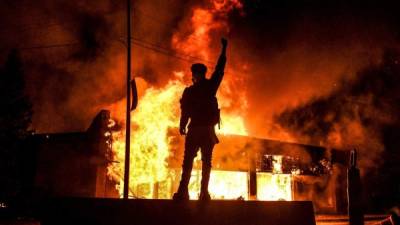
x=91 y=211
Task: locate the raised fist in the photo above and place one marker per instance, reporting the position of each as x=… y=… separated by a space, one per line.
x=182 y=130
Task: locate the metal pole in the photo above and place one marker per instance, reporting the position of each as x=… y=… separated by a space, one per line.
x=128 y=102
x=354 y=192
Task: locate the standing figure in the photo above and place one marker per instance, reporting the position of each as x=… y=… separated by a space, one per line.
x=200 y=105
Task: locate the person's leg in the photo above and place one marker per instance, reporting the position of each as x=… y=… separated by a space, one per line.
x=206 y=156
x=189 y=155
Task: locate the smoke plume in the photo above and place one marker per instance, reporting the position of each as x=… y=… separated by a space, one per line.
x=281 y=56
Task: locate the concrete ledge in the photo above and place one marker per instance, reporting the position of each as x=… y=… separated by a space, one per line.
x=91 y=211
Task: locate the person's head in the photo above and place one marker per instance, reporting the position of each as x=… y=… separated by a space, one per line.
x=199 y=71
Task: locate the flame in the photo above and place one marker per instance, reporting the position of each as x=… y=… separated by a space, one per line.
x=204 y=21
x=272 y=186
x=277 y=164
x=223 y=185
x=275 y=185
x=158 y=113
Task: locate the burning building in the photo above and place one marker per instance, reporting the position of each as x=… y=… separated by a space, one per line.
x=290 y=77
x=83 y=164
x=246 y=168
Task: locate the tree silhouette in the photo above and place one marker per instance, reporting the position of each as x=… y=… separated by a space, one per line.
x=15 y=119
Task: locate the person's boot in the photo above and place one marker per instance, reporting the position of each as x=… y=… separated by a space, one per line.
x=204 y=196
x=181 y=196
x=205 y=178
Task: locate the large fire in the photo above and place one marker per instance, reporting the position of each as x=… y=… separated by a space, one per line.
x=157 y=115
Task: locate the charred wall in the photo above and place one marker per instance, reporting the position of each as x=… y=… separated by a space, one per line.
x=72 y=164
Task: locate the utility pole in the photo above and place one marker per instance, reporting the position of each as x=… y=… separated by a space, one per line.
x=128 y=102
x=354 y=192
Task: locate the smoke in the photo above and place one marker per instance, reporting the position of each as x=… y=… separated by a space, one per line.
x=355 y=115
x=361 y=113
x=70 y=83
x=291 y=54
x=281 y=56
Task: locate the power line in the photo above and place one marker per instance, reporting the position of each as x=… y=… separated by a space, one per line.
x=192 y=58
x=149 y=45
x=63 y=45
x=162 y=52
x=137 y=42
x=48 y=25
x=49 y=46
x=173 y=54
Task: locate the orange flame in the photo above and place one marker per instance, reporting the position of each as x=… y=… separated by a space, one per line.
x=275 y=185
x=158 y=111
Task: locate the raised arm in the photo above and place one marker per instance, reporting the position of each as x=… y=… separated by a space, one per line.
x=218 y=73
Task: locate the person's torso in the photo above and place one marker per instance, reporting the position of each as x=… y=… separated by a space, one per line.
x=202 y=104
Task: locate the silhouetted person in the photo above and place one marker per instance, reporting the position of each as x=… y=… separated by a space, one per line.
x=199 y=104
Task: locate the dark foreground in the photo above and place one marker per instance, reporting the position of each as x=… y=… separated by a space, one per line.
x=118 y=212
x=320 y=220
x=166 y=212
